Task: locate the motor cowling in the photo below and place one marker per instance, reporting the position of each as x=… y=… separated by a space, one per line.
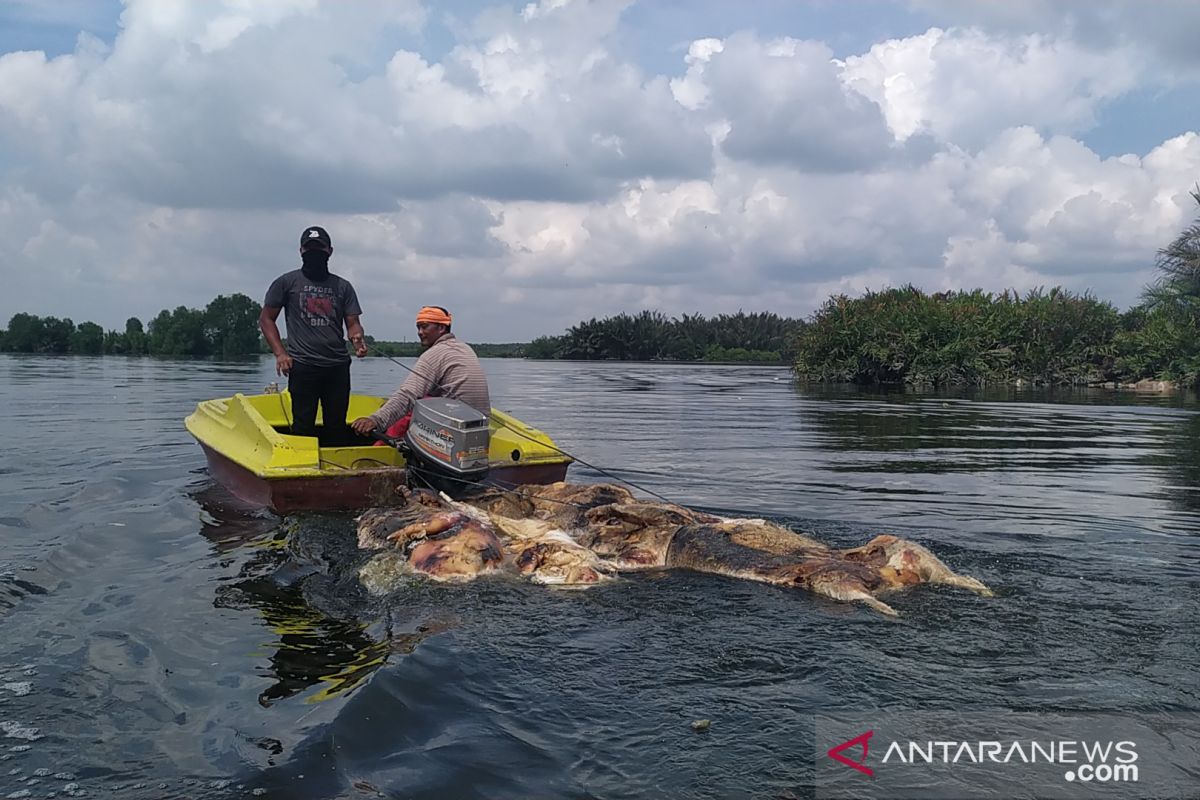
x=446 y=444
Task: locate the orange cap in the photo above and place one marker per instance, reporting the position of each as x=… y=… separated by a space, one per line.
x=434 y=315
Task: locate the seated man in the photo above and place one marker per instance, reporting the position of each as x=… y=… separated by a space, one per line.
x=447 y=368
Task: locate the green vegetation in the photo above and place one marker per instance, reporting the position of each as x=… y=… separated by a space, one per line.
x=652 y=336
x=1166 y=343
x=954 y=338
x=227 y=327
x=904 y=336
x=1051 y=338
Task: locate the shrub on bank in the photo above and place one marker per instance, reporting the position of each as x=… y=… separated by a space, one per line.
x=1160 y=344
x=904 y=336
x=652 y=336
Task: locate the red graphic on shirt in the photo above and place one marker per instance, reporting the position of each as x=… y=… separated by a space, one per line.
x=318 y=306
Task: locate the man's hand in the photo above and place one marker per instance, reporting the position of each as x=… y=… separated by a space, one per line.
x=363 y=426
x=360 y=346
x=283 y=364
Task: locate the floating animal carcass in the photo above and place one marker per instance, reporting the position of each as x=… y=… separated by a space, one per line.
x=581 y=535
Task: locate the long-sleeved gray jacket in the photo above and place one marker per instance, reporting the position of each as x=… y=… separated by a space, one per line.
x=449 y=368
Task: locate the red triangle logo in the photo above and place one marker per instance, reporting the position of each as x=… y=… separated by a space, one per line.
x=861 y=741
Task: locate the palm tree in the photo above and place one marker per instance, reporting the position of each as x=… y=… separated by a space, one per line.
x=1178 y=286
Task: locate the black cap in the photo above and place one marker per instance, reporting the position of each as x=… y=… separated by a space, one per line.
x=316 y=236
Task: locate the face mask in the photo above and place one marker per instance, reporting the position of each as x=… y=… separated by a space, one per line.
x=316 y=264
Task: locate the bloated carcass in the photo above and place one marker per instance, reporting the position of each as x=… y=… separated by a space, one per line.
x=578 y=535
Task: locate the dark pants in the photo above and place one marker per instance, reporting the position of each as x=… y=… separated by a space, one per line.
x=330 y=386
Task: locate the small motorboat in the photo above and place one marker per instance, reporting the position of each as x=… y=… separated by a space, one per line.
x=249 y=450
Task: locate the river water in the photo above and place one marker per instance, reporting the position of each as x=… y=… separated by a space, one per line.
x=149 y=648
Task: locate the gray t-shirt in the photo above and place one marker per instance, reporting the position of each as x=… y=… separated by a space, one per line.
x=316 y=314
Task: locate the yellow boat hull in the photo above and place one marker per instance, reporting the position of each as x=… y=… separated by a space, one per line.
x=249 y=452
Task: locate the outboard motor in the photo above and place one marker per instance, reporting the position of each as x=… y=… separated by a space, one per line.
x=446 y=445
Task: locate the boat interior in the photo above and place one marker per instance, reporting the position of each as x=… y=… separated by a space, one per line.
x=512 y=441
x=350 y=452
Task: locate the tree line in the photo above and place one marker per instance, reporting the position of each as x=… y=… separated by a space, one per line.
x=227 y=327
x=904 y=336
x=652 y=336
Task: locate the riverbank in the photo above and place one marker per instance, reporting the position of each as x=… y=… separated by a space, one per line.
x=1053 y=338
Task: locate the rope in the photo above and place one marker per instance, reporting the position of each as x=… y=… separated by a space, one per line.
x=283 y=408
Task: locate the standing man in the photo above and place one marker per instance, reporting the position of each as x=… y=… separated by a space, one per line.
x=316 y=304
x=447 y=368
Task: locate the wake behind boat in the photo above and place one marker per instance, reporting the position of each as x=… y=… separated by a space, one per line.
x=249 y=450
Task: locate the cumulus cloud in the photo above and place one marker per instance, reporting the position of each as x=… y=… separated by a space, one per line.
x=964 y=86
x=784 y=102
x=246 y=104
x=1163 y=31
x=530 y=173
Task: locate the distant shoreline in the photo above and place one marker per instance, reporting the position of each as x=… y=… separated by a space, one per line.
x=1144 y=386
x=669 y=362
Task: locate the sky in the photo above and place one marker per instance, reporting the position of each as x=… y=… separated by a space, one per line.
x=532 y=165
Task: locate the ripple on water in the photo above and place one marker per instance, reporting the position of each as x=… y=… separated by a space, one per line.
x=163 y=623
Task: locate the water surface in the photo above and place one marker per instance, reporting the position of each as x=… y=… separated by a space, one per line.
x=154 y=644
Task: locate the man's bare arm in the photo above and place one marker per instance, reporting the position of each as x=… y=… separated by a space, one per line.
x=270 y=331
x=358 y=338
